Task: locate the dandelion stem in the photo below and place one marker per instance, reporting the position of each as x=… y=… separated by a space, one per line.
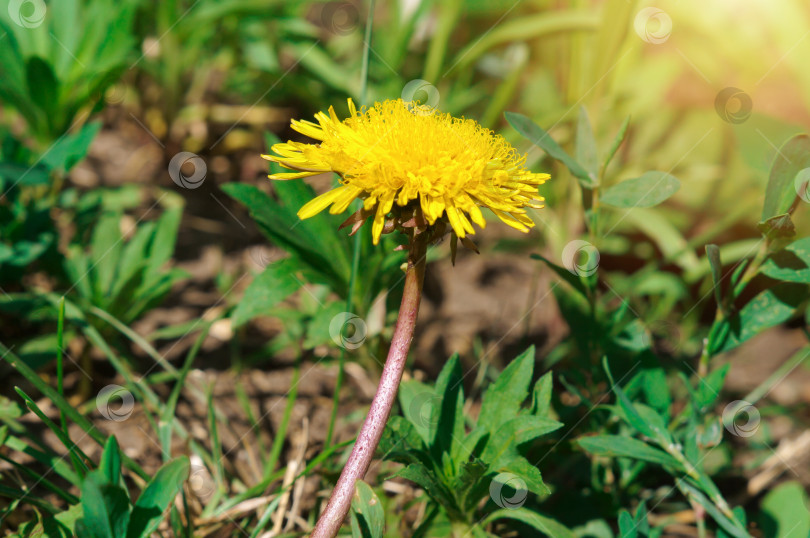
x=333 y=515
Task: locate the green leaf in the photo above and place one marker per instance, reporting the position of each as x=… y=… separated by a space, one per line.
x=617 y=142
x=768 y=309
x=503 y=399
x=43 y=87
x=110 y=466
x=627 y=526
x=503 y=442
x=574 y=280
x=422 y=477
x=269 y=288
x=401 y=442
x=156 y=497
x=709 y=388
x=777 y=227
x=417 y=401
x=785 y=512
x=780 y=194
x=447 y=418
x=791 y=264
x=69 y=150
x=648 y=190
x=734 y=528
x=618 y=446
x=523 y=468
x=541 y=396
x=539 y=137
x=105 y=252
x=105 y=506
x=713 y=255
x=546 y=525
x=586 y=145
x=368 y=517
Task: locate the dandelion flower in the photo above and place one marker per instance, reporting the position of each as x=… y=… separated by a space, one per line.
x=405 y=161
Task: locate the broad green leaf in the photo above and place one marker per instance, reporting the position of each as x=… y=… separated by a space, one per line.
x=315 y=246
x=417 y=401
x=791 y=264
x=503 y=442
x=69 y=150
x=526 y=471
x=709 y=387
x=105 y=506
x=368 y=517
x=785 y=512
x=618 y=446
x=648 y=190
x=268 y=289
x=503 y=399
x=791 y=159
x=586 y=152
x=538 y=136
x=768 y=309
x=656 y=390
x=422 y=477
x=543 y=524
x=627 y=526
x=18 y=174
x=400 y=442
x=43 y=87
x=156 y=497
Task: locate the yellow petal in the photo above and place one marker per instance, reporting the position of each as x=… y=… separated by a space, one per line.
x=319 y=203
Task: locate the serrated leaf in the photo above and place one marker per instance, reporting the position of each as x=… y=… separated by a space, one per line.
x=269 y=288
x=648 y=190
x=503 y=399
x=503 y=442
x=539 y=137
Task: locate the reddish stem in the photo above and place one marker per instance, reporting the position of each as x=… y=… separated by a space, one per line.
x=339 y=503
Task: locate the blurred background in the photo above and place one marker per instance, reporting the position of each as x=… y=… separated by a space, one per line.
x=120 y=123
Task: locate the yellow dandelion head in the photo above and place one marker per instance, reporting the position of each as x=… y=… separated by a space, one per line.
x=400 y=153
